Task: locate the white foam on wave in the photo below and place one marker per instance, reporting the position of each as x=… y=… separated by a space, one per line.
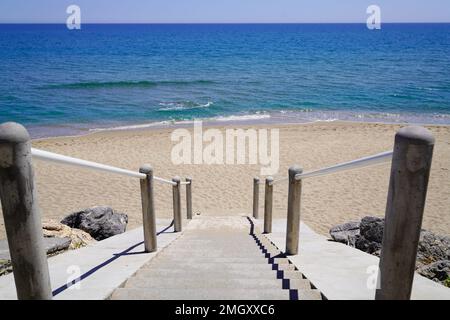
x=175 y=106
x=242 y=118
x=142 y=126
x=182 y=122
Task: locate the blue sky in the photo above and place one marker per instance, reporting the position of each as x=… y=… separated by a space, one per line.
x=221 y=11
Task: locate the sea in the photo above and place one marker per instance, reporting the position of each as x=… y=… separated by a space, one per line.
x=57 y=81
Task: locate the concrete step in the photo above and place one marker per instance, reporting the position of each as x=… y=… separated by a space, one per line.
x=280 y=260
x=211 y=274
x=208 y=252
x=313 y=294
x=212 y=254
x=299 y=284
x=223 y=248
x=284 y=266
x=216 y=235
x=217 y=283
x=273 y=254
x=200 y=294
x=208 y=266
x=199 y=241
x=264 y=240
x=175 y=260
x=218 y=259
x=291 y=274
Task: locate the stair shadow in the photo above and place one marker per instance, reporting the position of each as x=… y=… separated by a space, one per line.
x=293 y=293
x=105 y=263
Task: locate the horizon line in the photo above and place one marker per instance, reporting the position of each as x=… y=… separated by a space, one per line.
x=337 y=22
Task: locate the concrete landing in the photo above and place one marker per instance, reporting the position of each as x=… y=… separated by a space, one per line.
x=102 y=266
x=342 y=272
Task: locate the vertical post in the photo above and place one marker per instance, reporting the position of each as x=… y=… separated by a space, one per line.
x=148 y=209
x=411 y=163
x=189 y=197
x=268 y=196
x=293 y=211
x=177 y=204
x=255 y=197
x=21 y=214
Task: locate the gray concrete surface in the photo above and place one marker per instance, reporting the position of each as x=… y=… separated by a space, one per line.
x=216 y=258
x=107 y=273
x=341 y=272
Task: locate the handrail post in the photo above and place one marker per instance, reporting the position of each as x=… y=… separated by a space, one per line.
x=189 y=197
x=293 y=211
x=411 y=163
x=268 y=197
x=177 y=204
x=255 y=197
x=148 y=209
x=21 y=214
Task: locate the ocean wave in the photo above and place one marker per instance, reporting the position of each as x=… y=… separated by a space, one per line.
x=242 y=118
x=166 y=123
x=176 y=106
x=125 y=84
x=142 y=126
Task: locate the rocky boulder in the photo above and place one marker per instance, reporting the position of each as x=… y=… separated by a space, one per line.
x=52 y=245
x=345 y=233
x=438 y=271
x=372 y=228
x=57 y=239
x=370 y=235
x=433 y=253
x=99 y=222
x=77 y=238
x=433 y=247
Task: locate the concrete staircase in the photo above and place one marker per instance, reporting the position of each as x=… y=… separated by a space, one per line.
x=219 y=258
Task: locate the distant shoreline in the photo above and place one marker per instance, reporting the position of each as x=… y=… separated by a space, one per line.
x=238 y=120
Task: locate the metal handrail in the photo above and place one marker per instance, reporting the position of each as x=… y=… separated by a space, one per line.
x=61 y=159
x=373 y=160
x=369 y=161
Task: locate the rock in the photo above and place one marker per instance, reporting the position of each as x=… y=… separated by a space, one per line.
x=5 y=267
x=55 y=244
x=368 y=246
x=345 y=233
x=99 y=222
x=372 y=228
x=438 y=271
x=78 y=238
x=51 y=245
x=433 y=252
x=370 y=235
x=433 y=247
x=57 y=238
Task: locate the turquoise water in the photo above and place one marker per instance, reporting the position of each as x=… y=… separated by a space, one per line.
x=58 y=81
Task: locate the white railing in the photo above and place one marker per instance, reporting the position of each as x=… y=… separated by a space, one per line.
x=376 y=159
x=75 y=162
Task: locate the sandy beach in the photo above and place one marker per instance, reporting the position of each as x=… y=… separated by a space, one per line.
x=227 y=189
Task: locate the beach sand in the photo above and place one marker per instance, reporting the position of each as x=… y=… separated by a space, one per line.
x=227 y=189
